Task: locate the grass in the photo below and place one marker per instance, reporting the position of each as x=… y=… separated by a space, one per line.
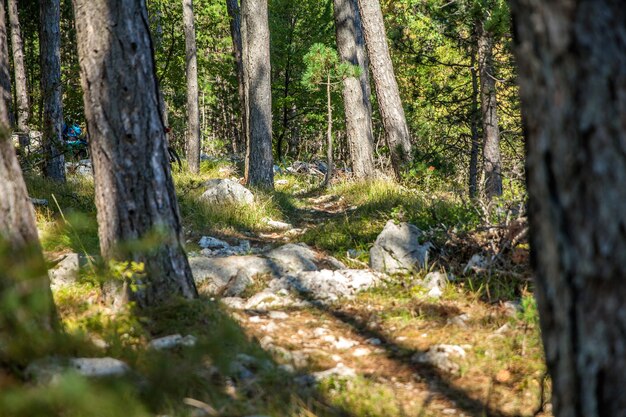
x=209 y=372
x=377 y=202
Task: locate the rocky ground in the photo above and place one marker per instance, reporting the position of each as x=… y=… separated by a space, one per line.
x=400 y=330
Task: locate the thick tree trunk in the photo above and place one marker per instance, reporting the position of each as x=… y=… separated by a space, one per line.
x=193 y=109
x=258 y=87
x=475 y=129
x=17 y=227
x=492 y=163
x=356 y=92
x=235 y=33
x=387 y=92
x=21 y=89
x=52 y=117
x=135 y=194
x=572 y=75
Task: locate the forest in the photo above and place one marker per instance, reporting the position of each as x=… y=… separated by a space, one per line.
x=342 y=208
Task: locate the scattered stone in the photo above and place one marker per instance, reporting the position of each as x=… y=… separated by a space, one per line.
x=439 y=356
x=278 y=315
x=476 y=263
x=319 y=332
x=236 y=303
x=208 y=242
x=270 y=327
x=266 y=300
x=226 y=191
x=281 y=182
x=435 y=279
x=344 y=344
x=360 y=352
x=397 y=249
x=172 y=341
x=50 y=369
x=39 y=202
x=512 y=308
x=374 y=341
x=278 y=225
x=339 y=371
x=503 y=329
x=460 y=320
x=255 y=319
x=354 y=254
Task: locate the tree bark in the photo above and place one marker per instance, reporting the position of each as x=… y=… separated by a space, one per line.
x=258 y=87
x=235 y=32
x=329 y=133
x=52 y=117
x=492 y=163
x=356 y=92
x=572 y=77
x=387 y=92
x=193 y=109
x=21 y=89
x=17 y=226
x=135 y=194
x=475 y=120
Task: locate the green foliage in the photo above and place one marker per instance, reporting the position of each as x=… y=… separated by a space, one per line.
x=323 y=66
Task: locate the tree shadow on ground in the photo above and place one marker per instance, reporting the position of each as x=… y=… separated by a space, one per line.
x=437 y=381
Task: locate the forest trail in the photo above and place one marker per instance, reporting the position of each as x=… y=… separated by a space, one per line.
x=426 y=357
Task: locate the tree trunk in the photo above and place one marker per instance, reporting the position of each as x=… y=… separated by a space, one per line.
x=17 y=228
x=356 y=92
x=329 y=134
x=387 y=93
x=258 y=87
x=52 y=117
x=193 y=109
x=235 y=32
x=475 y=129
x=135 y=194
x=492 y=163
x=572 y=76
x=21 y=89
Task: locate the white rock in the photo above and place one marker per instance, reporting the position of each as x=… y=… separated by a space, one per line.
x=374 y=341
x=278 y=225
x=226 y=191
x=476 y=262
x=397 y=249
x=169 y=342
x=360 y=352
x=439 y=356
x=343 y=344
x=319 y=332
x=435 y=293
x=50 y=369
x=278 y=315
x=255 y=319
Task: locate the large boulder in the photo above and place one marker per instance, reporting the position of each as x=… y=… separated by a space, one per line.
x=226 y=191
x=293 y=258
x=231 y=275
x=329 y=285
x=397 y=249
